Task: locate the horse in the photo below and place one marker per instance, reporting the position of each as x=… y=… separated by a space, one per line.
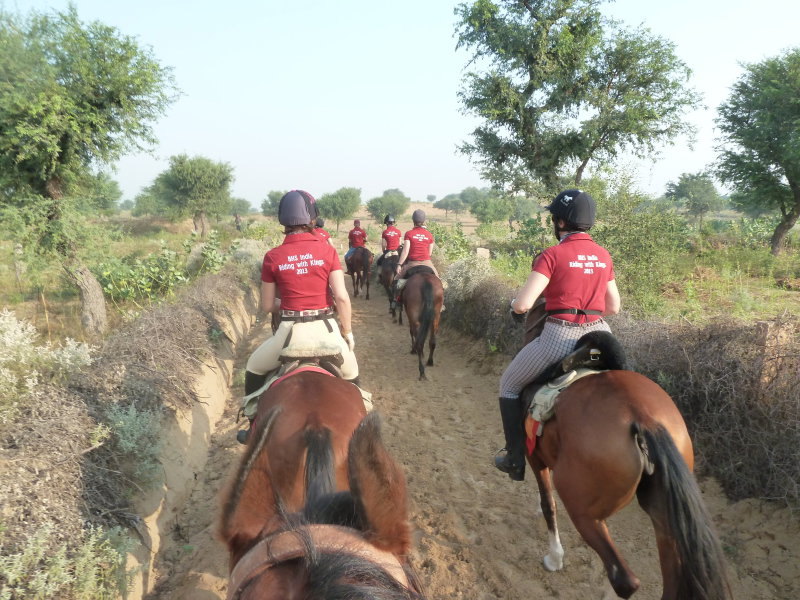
x=303 y=411
x=359 y=264
x=423 y=297
x=615 y=435
x=386 y=279
x=353 y=543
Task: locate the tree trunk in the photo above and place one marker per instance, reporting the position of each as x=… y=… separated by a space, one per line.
x=200 y=223
x=789 y=220
x=93 y=304
x=579 y=172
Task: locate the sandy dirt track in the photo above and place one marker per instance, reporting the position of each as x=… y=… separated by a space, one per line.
x=478 y=534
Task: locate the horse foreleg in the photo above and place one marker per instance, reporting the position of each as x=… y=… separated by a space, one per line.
x=554 y=559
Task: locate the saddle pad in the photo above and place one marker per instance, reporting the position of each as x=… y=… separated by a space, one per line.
x=251 y=400
x=309 y=349
x=544 y=401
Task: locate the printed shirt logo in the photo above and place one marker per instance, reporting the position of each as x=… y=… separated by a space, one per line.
x=299 y=263
x=588 y=263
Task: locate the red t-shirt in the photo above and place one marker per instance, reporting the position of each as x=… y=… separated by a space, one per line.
x=421 y=240
x=300 y=267
x=357 y=237
x=322 y=233
x=579 y=271
x=392 y=236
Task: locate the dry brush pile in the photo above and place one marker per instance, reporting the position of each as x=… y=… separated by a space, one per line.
x=736 y=383
x=74 y=453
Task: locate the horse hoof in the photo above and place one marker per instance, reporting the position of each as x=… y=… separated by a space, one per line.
x=551 y=564
x=429 y=363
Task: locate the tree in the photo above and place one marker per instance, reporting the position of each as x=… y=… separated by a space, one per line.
x=269 y=207
x=240 y=206
x=340 y=205
x=561 y=91
x=759 y=150
x=492 y=208
x=391 y=202
x=195 y=187
x=451 y=202
x=126 y=205
x=99 y=193
x=72 y=96
x=697 y=193
x=431 y=198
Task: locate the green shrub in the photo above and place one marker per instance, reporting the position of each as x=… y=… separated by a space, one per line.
x=93 y=568
x=141 y=279
x=451 y=240
x=136 y=433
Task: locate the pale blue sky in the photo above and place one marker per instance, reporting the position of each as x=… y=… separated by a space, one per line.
x=320 y=95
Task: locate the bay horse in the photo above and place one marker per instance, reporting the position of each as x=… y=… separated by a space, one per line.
x=615 y=435
x=359 y=264
x=350 y=544
x=302 y=412
x=386 y=279
x=422 y=298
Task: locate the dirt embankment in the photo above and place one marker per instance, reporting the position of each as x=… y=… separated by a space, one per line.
x=478 y=535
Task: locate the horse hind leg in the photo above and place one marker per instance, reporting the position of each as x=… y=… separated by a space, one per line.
x=431 y=347
x=595 y=533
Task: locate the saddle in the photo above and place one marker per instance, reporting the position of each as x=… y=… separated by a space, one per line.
x=418 y=270
x=595 y=352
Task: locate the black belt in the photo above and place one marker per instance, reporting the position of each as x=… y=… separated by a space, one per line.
x=563 y=323
x=306 y=316
x=573 y=311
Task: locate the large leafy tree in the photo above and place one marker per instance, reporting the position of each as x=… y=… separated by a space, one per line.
x=391 y=202
x=492 y=208
x=73 y=96
x=561 y=87
x=195 y=187
x=696 y=192
x=269 y=206
x=759 y=151
x=340 y=205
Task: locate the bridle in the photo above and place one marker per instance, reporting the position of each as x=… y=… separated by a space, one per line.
x=283 y=546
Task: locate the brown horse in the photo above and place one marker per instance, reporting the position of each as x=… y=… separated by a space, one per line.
x=348 y=544
x=303 y=412
x=423 y=297
x=359 y=264
x=616 y=435
x=386 y=279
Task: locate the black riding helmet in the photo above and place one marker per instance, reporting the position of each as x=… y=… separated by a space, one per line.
x=576 y=207
x=388 y=219
x=297 y=207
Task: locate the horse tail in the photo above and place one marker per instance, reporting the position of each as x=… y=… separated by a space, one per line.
x=320 y=468
x=425 y=318
x=700 y=556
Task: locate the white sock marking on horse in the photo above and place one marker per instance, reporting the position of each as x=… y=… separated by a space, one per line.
x=554 y=560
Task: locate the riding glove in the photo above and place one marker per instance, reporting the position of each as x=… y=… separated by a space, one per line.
x=351 y=342
x=518 y=317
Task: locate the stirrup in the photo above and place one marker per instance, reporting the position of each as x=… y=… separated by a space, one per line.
x=504 y=464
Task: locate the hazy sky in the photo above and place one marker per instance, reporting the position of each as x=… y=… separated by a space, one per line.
x=321 y=94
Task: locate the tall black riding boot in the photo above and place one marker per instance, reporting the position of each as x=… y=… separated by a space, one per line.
x=513 y=461
x=252 y=383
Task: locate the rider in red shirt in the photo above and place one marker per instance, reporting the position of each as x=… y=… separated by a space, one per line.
x=302 y=269
x=319 y=229
x=576 y=277
x=357 y=238
x=418 y=243
x=390 y=238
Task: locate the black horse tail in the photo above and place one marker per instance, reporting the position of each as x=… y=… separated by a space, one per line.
x=320 y=468
x=700 y=555
x=425 y=318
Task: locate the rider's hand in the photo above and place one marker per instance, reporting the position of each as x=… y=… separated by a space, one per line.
x=351 y=342
x=517 y=317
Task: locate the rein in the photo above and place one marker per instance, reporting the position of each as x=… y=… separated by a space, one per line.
x=283 y=546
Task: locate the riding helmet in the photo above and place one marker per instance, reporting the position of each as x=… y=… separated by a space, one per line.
x=389 y=219
x=297 y=207
x=574 y=206
x=418 y=216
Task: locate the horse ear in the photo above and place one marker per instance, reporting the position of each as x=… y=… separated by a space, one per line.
x=378 y=485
